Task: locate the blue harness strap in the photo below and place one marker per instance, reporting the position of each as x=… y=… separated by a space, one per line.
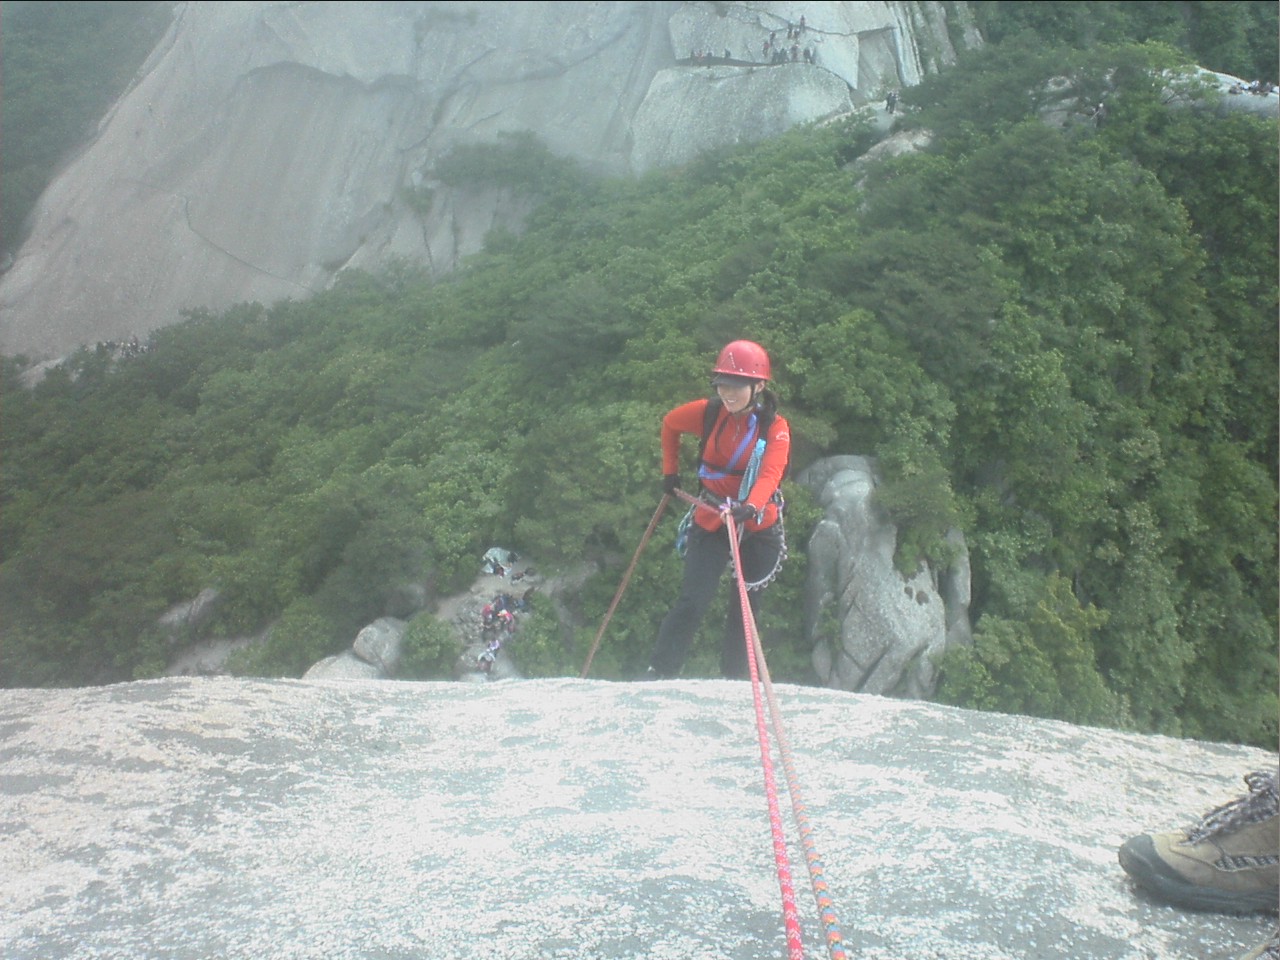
x=706 y=472
x=748 y=474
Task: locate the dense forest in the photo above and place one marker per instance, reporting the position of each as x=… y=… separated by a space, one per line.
x=1056 y=335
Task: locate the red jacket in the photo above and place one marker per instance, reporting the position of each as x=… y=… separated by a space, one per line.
x=728 y=434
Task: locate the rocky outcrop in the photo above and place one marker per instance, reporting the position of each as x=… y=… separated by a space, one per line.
x=576 y=820
x=265 y=147
x=374 y=655
x=183 y=623
x=874 y=630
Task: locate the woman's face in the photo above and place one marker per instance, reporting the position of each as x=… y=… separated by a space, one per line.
x=736 y=395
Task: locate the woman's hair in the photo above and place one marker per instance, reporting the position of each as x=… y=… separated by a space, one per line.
x=767 y=402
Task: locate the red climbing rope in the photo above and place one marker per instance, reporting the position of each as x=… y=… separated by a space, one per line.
x=760 y=678
x=623 y=585
x=817 y=877
x=790 y=916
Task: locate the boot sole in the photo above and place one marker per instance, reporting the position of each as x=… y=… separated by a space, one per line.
x=1139 y=859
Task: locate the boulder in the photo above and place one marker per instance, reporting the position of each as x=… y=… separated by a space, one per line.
x=874 y=630
x=379 y=644
x=343 y=666
x=182 y=623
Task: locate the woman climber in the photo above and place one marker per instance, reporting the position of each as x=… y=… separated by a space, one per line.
x=745 y=450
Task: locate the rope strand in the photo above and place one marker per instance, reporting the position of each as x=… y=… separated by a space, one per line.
x=790 y=915
x=760 y=678
x=826 y=911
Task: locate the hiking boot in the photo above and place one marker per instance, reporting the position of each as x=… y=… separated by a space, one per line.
x=1266 y=951
x=1227 y=863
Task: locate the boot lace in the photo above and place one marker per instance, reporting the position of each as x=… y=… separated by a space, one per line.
x=1262 y=803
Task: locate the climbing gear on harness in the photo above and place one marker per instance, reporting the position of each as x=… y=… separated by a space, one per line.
x=743 y=358
x=755 y=431
x=682 y=533
x=744 y=488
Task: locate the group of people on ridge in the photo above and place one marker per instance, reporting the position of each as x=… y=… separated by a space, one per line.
x=498 y=622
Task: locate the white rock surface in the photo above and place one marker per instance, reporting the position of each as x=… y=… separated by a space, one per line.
x=188 y=819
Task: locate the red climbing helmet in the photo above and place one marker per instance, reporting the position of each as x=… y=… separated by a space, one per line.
x=743 y=358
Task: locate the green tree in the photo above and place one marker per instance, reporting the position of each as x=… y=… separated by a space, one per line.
x=1041 y=665
x=430 y=649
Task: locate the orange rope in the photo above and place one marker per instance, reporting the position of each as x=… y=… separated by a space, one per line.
x=759 y=669
x=760 y=677
x=790 y=915
x=835 y=941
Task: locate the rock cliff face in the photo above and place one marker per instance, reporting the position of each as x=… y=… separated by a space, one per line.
x=267 y=146
x=578 y=820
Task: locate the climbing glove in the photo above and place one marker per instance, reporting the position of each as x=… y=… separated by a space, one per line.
x=742 y=512
x=670 y=482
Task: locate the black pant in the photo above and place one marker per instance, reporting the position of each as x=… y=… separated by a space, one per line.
x=704 y=565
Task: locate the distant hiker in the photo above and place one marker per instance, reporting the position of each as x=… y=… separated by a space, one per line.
x=801 y=30
x=891 y=101
x=490 y=654
x=738 y=475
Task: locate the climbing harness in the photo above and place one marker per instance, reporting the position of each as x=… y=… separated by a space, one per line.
x=755 y=429
x=705 y=472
